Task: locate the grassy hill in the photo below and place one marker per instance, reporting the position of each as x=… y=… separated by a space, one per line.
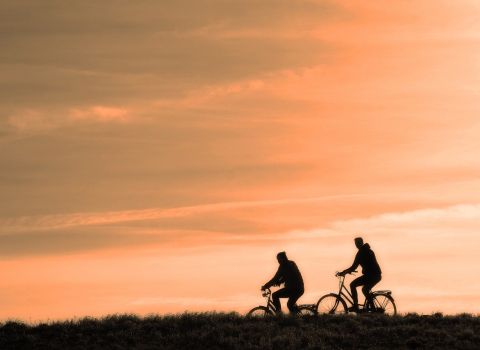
x=233 y=331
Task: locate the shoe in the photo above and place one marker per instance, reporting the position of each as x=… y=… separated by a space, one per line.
x=353 y=309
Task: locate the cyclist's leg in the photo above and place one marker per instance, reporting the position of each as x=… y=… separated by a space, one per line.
x=295 y=294
x=357 y=282
x=370 y=282
x=281 y=293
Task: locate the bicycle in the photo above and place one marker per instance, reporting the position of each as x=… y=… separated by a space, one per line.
x=270 y=309
x=380 y=301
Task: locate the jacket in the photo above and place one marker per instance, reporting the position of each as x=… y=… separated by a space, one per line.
x=366 y=259
x=289 y=274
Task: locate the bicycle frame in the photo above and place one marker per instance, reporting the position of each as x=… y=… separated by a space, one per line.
x=267 y=294
x=343 y=292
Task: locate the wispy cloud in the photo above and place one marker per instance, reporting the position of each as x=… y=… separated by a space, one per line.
x=39 y=120
x=466 y=216
x=100 y=113
x=49 y=222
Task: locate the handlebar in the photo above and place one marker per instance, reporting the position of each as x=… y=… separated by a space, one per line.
x=339 y=274
x=266 y=292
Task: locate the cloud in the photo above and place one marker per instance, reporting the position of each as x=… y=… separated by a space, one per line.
x=31 y=120
x=74 y=56
x=52 y=222
x=464 y=216
x=56 y=234
x=101 y=113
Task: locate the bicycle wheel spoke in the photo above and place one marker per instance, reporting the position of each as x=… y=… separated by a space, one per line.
x=382 y=303
x=331 y=304
x=259 y=311
x=304 y=310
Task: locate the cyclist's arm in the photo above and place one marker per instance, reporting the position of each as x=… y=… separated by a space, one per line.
x=354 y=266
x=275 y=280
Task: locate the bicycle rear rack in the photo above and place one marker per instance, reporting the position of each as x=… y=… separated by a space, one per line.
x=388 y=292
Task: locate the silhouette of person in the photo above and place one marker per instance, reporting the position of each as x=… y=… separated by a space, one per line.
x=289 y=274
x=371 y=271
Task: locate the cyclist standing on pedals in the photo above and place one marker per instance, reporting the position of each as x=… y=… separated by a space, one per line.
x=371 y=272
x=289 y=274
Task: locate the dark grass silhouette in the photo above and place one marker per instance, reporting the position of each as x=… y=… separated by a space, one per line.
x=233 y=331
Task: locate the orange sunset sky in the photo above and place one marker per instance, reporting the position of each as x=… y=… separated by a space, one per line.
x=157 y=155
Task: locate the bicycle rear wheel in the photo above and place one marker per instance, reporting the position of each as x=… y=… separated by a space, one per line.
x=382 y=304
x=259 y=311
x=305 y=310
x=331 y=304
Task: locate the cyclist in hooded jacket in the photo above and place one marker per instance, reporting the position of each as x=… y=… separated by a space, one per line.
x=372 y=274
x=289 y=274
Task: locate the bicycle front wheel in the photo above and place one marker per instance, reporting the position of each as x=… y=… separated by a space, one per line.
x=305 y=310
x=382 y=304
x=331 y=304
x=259 y=311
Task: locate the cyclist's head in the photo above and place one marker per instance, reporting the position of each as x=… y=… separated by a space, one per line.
x=281 y=257
x=358 y=242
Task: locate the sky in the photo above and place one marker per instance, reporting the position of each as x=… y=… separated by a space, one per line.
x=157 y=155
